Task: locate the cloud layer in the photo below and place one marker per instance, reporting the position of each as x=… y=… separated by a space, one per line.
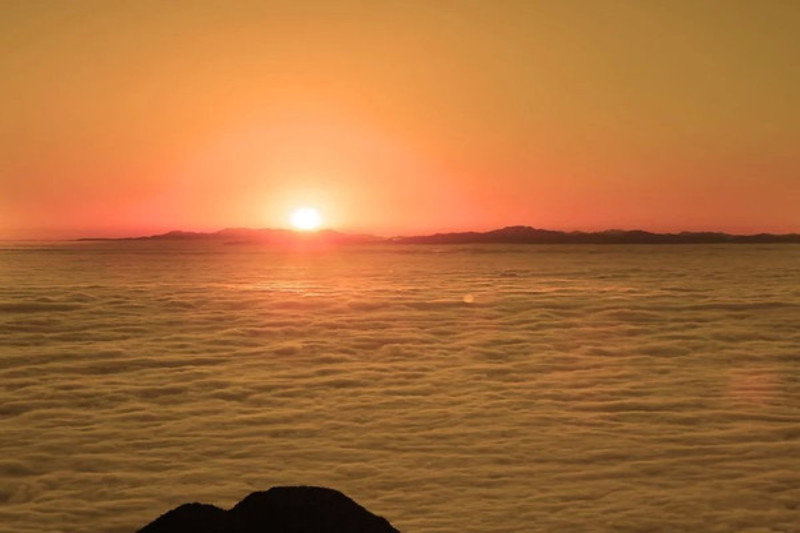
x=448 y=389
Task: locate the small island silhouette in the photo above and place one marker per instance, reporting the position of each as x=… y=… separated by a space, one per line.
x=278 y=510
x=507 y=235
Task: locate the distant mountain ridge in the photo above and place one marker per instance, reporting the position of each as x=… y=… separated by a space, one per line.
x=529 y=235
x=507 y=235
x=257 y=236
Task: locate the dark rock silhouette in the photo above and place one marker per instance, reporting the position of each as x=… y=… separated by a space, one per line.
x=277 y=510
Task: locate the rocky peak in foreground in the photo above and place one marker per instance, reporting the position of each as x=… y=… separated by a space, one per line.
x=277 y=510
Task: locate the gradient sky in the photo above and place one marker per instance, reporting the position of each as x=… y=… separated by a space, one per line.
x=397 y=117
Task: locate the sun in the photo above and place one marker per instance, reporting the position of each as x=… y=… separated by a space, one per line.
x=306 y=218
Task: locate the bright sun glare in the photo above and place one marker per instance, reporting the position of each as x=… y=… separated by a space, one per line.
x=306 y=218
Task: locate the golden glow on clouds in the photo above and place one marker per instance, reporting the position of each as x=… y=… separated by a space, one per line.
x=656 y=390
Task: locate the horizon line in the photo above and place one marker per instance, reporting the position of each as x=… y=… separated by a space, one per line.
x=429 y=233
x=434 y=232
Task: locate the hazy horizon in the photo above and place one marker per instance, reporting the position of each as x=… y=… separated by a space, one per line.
x=72 y=235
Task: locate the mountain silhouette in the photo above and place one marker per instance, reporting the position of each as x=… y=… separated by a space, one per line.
x=277 y=510
x=507 y=235
x=256 y=236
x=529 y=235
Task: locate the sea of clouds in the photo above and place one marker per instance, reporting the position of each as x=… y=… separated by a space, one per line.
x=449 y=389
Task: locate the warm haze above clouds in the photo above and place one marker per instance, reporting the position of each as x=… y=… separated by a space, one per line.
x=398 y=117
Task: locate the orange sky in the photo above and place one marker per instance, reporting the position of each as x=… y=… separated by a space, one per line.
x=398 y=117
